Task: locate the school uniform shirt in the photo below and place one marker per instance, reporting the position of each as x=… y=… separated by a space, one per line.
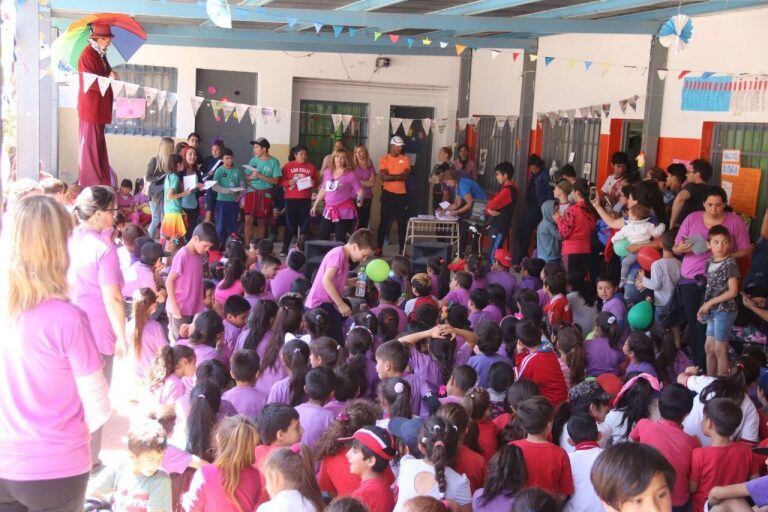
x=641 y=367
x=227 y=178
x=543 y=368
x=603 y=429
x=487 y=437
x=548 y=467
x=713 y=466
x=231 y=333
x=152 y=340
x=402 y=318
x=503 y=501
x=584 y=498
x=376 y=494
x=602 y=358
x=758 y=491
x=619 y=427
x=314 y=420
x=298 y=171
x=504 y=279
x=287 y=500
x=482 y=363
x=269 y=167
x=558 y=309
x=175 y=460
x=129 y=491
x=419 y=389
x=616 y=306
x=335 y=258
x=476 y=317
x=189 y=283
x=669 y=438
x=531 y=283
x=748 y=430
x=283 y=280
x=456 y=486
x=245 y=400
x=471 y=464
x=136 y=276
x=493 y=313
x=425 y=366
x=583 y=315
x=206 y=492
x=457 y=296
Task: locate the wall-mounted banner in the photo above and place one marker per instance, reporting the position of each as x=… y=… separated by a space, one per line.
x=711 y=94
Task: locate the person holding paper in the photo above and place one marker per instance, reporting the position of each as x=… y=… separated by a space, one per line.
x=173 y=228
x=192 y=178
x=210 y=164
x=229 y=187
x=299 y=178
x=263 y=173
x=694 y=268
x=339 y=189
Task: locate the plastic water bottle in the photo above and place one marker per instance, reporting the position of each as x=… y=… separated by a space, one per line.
x=361 y=284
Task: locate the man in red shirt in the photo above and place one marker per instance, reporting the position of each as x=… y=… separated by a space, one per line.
x=94 y=110
x=501 y=207
x=558 y=308
x=538 y=362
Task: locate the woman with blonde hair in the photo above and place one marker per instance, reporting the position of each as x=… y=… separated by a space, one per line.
x=52 y=387
x=95 y=278
x=366 y=175
x=231 y=483
x=342 y=193
x=159 y=165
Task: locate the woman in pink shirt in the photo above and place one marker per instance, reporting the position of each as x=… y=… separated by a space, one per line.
x=95 y=279
x=342 y=194
x=366 y=175
x=51 y=376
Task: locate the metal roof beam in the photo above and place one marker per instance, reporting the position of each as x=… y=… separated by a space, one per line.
x=601 y=6
x=382 y=21
x=481 y=6
x=713 y=6
x=368 y=5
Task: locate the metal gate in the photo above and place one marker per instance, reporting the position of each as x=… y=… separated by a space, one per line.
x=497 y=145
x=318 y=134
x=752 y=140
x=580 y=137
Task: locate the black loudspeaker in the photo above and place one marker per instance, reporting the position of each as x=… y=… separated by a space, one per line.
x=425 y=251
x=315 y=251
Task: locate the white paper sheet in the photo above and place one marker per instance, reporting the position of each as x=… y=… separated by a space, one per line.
x=190 y=182
x=304 y=183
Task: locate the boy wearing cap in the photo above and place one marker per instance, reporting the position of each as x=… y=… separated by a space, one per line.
x=368 y=458
x=501 y=208
x=499 y=274
x=264 y=174
x=395 y=169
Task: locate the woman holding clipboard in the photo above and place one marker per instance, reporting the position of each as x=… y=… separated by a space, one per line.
x=298 y=181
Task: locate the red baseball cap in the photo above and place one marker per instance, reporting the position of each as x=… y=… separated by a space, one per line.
x=376 y=439
x=504 y=257
x=458 y=266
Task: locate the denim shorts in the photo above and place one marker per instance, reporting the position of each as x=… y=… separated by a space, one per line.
x=720 y=324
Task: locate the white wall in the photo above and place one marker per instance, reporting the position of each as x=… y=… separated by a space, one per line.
x=495 y=83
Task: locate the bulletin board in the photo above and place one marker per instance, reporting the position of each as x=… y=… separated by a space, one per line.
x=744 y=188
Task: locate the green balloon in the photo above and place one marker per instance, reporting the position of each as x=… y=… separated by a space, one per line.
x=620 y=248
x=377 y=270
x=640 y=316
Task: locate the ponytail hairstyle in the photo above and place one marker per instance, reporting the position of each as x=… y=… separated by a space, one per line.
x=571 y=343
x=216 y=373
x=395 y=397
x=439 y=267
x=439 y=439
x=457 y=415
x=165 y=363
x=507 y=473
x=744 y=372
x=327 y=349
x=288 y=320
x=232 y=272
x=358 y=414
x=297 y=468
x=317 y=322
x=520 y=391
x=143 y=301
x=666 y=353
x=295 y=355
x=173 y=164
x=606 y=325
x=509 y=335
x=635 y=403
x=261 y=319
x=94 y=199
x=235 y=250
x=401 y=271
x=234 y=443
x=443 y=350
x=476 y=401
x=208 y=329
x=477 y=266
x=359 y=343
x=204 y=404
x=581 y=187
x=368 y=320
x=389 y=323
x=642 y=346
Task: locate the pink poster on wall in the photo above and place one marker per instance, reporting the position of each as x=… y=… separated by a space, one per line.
x=686 y=163
x=130 y=108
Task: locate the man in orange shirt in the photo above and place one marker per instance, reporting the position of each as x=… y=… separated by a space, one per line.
x=395 y=169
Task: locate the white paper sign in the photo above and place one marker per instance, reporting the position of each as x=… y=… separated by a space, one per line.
x=586 y=170
x=190 y=182
x=304 y=183
x=209 y=184
x=445 y=205
x=732 y=155
x=730 y=169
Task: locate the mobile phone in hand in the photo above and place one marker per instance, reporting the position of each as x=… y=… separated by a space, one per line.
x=592 y=193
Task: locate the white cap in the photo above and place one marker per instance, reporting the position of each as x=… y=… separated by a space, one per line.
x=397 y=141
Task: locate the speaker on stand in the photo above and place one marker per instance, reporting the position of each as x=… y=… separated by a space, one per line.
x=315 y=251
x=424 y=251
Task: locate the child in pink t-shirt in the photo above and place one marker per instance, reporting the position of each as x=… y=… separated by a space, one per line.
x=168 y=368
x=145 y=336
x=230 y=285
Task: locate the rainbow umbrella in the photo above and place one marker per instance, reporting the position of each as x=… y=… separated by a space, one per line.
x=129 y=36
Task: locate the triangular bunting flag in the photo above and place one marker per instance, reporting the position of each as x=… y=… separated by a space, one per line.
x=345 y=120
x=292 y=22
x=253 y=113
x=515 y=55
x=462 y=121
x=571 y=115
x=500 y=122
x=352 y=31
x=584 y=111
x=548 y=60
x=426 y=41
x=587 y=64
x=407 y=126
x=426 y=123
x=337 y=30
x=394 y=123
x=604 y=69
x=196 y=101
x=683 y=73
x=633 y=102
x=495 y=53
x=552 y=117
x=409 y=42
x=443 y=44
x=561 y=115
x=161 y=97
x=227 y=107
x=336 y=118
x=623 y=106
x=240 y=110
x=474 y=120
x=117 y=87
x=216 y=106
x=318 y=27
x=460 y=48
x=170 y=101
x=150 y=93
x=662 y=73
x=707 y=74
x=88 y=79
x=394 y=38
x=130 y=89
x=104 y=82
x=376 y=36
x=596 y=111
x=571 y=63
x=533 y=57
x=606 y=109
x=512 y=120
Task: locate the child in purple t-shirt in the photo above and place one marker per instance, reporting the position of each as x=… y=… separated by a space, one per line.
x=314 y=418
x=459 y=290
x=612 y=302
x=244 y=398
x=328 y=287
x=281 y=283
x=392 y=359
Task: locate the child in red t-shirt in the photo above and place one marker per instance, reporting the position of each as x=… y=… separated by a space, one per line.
x=467 y=461
x=477 y=402
x=548 y=464
x=725 y=462
x=279 y=427
x=369 y=458
x=538 y=362
x=557 y=308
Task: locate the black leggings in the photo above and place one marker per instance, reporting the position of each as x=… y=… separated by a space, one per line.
x=364 y=213
x=296 y=219
x=57 y=495
x=342 y=229
x=193 y=217
x=691 y=294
